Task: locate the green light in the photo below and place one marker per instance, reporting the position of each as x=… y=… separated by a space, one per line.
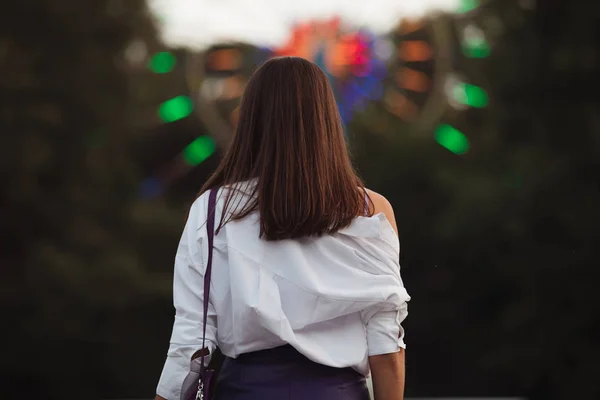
x=452 y=139
x=467 y=5
x=176 y=108
x=474 y=43
x=470 y=95
x=162 y=62
x=199 y=150
x=479 y=51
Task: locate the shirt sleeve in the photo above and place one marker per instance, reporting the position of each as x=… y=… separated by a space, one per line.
x=383 y=320
x=188 y=291
x=384 y=331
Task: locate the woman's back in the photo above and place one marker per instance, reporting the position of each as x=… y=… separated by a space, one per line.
x=315 y=293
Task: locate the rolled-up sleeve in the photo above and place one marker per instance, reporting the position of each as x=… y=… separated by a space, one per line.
x=383 y=320
x=385 y=333
x=188 y=291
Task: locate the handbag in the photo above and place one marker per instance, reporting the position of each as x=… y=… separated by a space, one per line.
x=198 y=385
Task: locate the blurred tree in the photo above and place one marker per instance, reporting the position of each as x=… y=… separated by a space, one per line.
x=77 y=288
x=500 y=244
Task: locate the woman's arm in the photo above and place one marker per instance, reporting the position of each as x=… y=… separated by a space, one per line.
x=188 y=293
x=387 y=371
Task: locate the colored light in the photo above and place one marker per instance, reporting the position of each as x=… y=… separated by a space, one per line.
x=414 y=80
x=480 y=51
x=398 y=104
x=383 y=49
x=150 y=188
x=199 y=150
x=176 y=108
x=467 y=5
x=452 y=139
x=470 y=95
x=415 y=50
x=474 y=44
x=162 y=62
x=224 y=60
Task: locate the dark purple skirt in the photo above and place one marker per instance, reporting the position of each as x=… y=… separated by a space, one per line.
x=283 y=373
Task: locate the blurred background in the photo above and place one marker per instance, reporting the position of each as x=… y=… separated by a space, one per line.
x=478 y=119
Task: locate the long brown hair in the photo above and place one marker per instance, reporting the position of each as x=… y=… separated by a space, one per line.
x=290 y=138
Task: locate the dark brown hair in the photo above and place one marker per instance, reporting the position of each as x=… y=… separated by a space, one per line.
x=290 y=138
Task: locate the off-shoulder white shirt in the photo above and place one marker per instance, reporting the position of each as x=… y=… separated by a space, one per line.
x=337 y=298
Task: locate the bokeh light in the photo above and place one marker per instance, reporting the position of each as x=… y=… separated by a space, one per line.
x=452 y=139
x=474 y=43
x=470 y=95
x=466 y=6
x=175 y=109
x=199 y=150
x=162 y=63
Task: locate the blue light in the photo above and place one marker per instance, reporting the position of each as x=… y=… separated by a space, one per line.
x=150 y=188
x=377 y=92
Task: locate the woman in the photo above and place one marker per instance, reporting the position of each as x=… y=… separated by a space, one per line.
x=306 y=297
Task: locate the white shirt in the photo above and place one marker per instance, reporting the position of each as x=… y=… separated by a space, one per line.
x=337 y=298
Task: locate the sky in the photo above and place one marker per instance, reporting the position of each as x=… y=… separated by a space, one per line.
x=197 y=24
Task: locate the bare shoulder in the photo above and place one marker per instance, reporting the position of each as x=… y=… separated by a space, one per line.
x=382 y=205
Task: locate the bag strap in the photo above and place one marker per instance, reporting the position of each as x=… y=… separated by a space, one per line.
x=210 y=230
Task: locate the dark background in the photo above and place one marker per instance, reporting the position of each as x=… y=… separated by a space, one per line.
x=499 y=245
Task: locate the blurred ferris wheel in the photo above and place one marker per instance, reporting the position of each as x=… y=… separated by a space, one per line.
x=403 y=70
x=409 y=74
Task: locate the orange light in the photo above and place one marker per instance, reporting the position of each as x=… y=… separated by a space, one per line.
x=299 y=42
x=224 y=60
x=399 y=105
x=410 y=79
x=415 y=50
x=341 y=51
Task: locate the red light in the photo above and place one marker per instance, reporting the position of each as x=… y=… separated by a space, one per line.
x=343 y=52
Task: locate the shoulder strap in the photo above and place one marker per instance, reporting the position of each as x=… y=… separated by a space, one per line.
x=210 y=230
